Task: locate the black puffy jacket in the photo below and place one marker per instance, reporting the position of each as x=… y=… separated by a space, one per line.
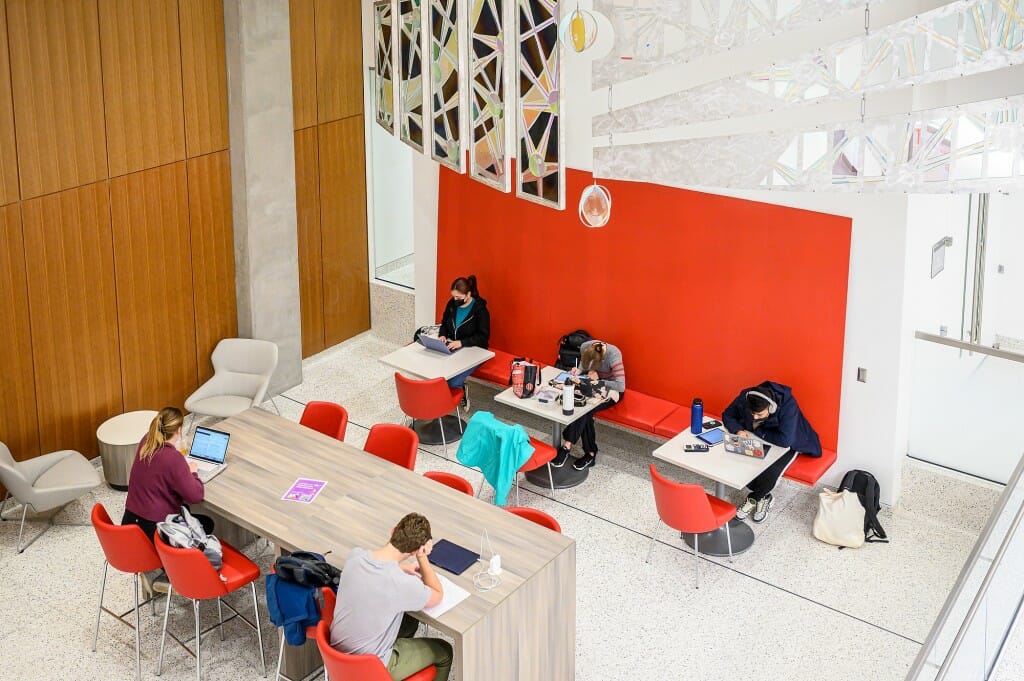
x=474 y=331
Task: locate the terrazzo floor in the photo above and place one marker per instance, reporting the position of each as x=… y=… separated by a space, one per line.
x=790 y=608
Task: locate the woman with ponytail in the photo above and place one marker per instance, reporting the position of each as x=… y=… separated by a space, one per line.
x=161 y=479
x=466 y=323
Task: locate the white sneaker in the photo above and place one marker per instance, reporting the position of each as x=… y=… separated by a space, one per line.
x=761 y=512
x=743 y=511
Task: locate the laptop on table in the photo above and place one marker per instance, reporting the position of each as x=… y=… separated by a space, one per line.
x=435 y=344
x=209 y=447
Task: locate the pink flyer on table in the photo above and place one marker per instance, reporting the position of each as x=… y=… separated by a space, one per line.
x=304 y=490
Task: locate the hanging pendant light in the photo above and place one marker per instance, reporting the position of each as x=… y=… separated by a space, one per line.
x=578 y=30
x=596 y=200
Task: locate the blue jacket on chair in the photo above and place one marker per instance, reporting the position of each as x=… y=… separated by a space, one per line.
x=497 y=449
x=293 y=607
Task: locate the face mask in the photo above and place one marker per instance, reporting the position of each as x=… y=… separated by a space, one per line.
x=462 y=302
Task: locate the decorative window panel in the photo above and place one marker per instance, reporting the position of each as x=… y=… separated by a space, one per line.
x=488 y=158
x=383 y=84
x=446 y=85
x=539 y=174
x=410 y=89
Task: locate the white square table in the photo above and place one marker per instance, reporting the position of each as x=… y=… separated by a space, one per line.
x=726 y=469
x=566 y=476
x=417 y=360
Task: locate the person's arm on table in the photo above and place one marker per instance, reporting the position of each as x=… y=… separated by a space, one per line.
x=785 y=433
x=185 y=481
x=429 y=577
x=732 y=417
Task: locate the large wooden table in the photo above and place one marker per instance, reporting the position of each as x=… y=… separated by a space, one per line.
x=523 y=629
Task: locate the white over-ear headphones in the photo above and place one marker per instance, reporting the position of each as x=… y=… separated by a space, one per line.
x=772 y=406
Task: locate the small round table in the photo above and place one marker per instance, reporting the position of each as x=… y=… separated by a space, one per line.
x=118 y=438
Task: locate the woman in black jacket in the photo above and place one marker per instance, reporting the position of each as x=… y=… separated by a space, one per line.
x=466 y=323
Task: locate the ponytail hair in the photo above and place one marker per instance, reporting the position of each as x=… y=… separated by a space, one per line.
x=593 y=356
x=166 y=423
x=466 y=285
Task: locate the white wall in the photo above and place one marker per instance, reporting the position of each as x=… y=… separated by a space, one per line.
x=391 y=220
x=1004 y=309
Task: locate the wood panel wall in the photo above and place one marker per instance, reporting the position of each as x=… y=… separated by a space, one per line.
x=116 y=246
x=327 y=91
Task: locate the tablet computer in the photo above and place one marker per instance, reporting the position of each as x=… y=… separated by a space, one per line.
x=712 y=437
x=452 y=557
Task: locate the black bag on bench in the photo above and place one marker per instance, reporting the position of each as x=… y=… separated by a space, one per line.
x=569 y=349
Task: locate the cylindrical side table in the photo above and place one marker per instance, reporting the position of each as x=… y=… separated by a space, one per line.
x=119 y=437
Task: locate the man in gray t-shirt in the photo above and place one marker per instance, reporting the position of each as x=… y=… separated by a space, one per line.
x=377 y=589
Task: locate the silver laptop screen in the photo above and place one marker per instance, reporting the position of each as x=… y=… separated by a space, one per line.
x=209 y=445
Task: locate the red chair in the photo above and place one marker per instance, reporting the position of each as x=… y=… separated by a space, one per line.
x=127 y=549
x=688 y=508
x=535 y=516
x=393 y=443
x=340 y=666
x=325 y=417
x=428 y=400
x=310 y=631
x=543 y=453
x=456 y=482
x=192 y=576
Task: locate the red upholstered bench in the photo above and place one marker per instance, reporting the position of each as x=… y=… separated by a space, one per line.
x=677 y=422
x=807 y=470
x=639 y=412
x=496 y=369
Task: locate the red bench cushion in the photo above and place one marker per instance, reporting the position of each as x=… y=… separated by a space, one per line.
x=677 y=422
x=807 y=470
x=496 y=369
x=638 y=411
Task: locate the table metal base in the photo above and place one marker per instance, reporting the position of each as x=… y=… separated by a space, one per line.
x=714 y=543
x=430 y=431
x=563 y=477
x=119 y=488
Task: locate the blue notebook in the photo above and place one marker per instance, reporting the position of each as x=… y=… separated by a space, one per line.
x=712 y=437
x=452 y=557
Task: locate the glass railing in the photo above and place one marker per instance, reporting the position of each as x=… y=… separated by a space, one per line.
x=969 y=634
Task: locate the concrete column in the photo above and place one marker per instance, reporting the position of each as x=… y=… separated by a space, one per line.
x=263 y=180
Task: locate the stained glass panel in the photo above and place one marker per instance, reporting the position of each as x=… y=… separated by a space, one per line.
x=410 y=85
x=488 y=158
x=445 y=85
x=383 y=85
x=539 y=170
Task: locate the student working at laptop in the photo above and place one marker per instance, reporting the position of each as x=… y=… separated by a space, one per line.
x=466 y=323
x=770 y=413
x=377 y=589
x=162 y=480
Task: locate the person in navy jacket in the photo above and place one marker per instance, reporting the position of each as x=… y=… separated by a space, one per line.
x=769 y=412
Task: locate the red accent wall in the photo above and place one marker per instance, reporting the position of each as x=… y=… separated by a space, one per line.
x=704 y=294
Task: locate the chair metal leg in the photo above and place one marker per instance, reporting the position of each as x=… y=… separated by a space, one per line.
x=551 y=478
x=696 y=557
x=280 y=655
x=259 y=631
x=99 y=608
x=728 y=540
x=517 y=490
x=458 y=416
x=199 y=649
x=163 y=635
x=3 y=506
x=220 y=618
x=138 y=633
x=444 y=441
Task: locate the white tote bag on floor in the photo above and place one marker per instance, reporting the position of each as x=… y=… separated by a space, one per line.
x=840 y=519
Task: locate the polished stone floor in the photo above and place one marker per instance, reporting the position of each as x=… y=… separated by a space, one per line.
x=790 y=608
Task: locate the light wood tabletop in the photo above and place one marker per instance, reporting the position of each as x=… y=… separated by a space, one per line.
x=419 y=361
x=522 y=629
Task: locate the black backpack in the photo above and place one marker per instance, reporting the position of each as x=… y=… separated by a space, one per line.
x=569 y=349
x=307 y=569
x=864 y=485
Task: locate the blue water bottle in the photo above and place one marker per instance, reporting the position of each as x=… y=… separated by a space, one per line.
x=697 y=416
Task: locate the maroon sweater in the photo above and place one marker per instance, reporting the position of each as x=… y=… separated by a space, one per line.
x=158 y=487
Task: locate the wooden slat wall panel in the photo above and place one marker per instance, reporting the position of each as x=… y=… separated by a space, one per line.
x=307 y=202
x=19 y=429
x=343 y=229
x=142 y=92
x=149 y=216
x=300 y=14
x=73 y=313
x=204 y=76
x=339 y=67
x=213 y=254
x=58 y=94
x=8 y=150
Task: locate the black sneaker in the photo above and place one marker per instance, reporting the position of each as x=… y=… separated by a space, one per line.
x=560 y=457
x=584 y=462
x=464 y=402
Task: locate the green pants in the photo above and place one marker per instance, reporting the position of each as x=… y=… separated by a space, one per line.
x=413 y=654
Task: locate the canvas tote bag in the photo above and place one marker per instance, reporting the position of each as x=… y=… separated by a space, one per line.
x=840 y=519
